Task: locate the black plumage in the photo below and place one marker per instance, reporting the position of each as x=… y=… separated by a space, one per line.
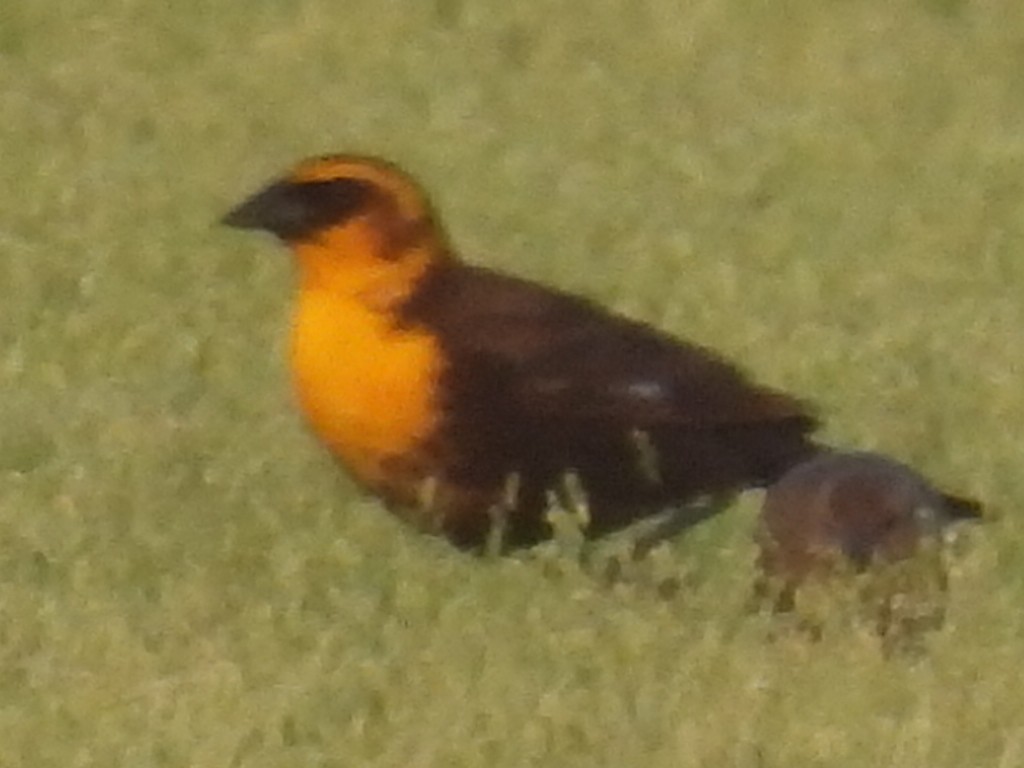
x=540 y=383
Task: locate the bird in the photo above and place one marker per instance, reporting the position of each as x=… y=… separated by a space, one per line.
x=852 y=509
x=465 y=397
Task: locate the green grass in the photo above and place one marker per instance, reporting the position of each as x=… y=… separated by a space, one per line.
x=830 y=192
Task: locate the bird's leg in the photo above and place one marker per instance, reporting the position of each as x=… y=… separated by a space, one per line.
x=678 y=520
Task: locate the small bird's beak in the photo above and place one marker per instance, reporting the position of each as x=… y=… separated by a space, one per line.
x=297 y=210
x=238 y=217
x=256 y=212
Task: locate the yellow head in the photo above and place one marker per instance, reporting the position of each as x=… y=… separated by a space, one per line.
x=354 y=223
x=364 y=236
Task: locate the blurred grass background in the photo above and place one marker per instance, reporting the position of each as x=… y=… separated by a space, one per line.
x=830 y=192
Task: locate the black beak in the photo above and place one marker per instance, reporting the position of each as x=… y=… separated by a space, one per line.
x=272 y=209
x=298 y=210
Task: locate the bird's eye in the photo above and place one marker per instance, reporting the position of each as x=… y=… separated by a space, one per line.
x=326 y=203
x=298 y=210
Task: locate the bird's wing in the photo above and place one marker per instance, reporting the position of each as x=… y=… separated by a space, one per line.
x=558 y=356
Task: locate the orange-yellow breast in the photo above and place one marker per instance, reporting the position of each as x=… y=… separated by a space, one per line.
x=367 y=387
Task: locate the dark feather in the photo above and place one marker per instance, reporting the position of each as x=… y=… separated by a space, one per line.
x=566 y=357
x=542 y=382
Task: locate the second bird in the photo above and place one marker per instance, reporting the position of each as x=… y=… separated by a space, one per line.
x=453 y=391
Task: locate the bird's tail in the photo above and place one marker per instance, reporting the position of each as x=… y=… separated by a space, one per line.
x=962 y=508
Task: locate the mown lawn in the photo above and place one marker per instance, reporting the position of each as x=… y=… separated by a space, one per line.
x=830 y=192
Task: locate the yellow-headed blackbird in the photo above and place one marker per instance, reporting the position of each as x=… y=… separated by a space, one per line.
x=451 y=390
x=848 y=508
